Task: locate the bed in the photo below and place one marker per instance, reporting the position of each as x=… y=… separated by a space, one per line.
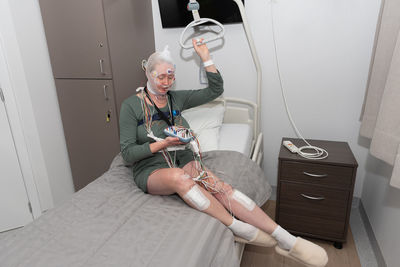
x=234 y=125
x=111 y=222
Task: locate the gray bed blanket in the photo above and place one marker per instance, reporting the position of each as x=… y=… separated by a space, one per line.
x=111 y=222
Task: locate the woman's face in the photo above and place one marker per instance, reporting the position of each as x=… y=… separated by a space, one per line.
x=163 y=76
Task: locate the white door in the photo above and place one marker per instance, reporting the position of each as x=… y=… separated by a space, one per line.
x=14 y=203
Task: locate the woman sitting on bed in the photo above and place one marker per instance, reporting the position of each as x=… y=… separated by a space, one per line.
x=156 y=171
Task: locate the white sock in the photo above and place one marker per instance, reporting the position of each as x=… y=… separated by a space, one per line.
x=243 y=230
x=284 y=238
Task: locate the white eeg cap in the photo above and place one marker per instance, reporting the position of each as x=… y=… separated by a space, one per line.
x=166 y=54
x=149 y=66
x=157 y=58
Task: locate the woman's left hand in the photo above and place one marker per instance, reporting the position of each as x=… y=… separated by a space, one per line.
x=201 y=49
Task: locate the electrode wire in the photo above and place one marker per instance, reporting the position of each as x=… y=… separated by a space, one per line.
x=319 y=153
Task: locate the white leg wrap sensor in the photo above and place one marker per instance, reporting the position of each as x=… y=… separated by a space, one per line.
x=243 y=230
x=246 y=202
x=197 y=198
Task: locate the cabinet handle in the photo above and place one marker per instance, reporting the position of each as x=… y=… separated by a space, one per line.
x=105 y=92
x=101 y=66
x=315 y=175
x=312 y=198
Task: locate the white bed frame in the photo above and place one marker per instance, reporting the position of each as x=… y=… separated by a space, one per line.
x=243 y=111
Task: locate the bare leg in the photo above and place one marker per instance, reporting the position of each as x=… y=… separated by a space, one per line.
x=256 y=217
x=174 y=180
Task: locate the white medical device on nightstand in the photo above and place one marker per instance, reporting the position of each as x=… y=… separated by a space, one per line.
x=289 y=145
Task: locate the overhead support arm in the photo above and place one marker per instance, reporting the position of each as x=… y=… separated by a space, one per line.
x=194 y=6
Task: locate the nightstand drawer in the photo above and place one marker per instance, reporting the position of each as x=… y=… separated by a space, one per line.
x=313 y=201
x=320 y=174
x=313 y=210
x=313 y=226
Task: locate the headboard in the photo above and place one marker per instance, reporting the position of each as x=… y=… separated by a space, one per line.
x=243 y=111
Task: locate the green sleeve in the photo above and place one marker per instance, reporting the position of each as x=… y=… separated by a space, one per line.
x=193 y=98
x=130 y=149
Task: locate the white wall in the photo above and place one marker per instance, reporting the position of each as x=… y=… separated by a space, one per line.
x=27 y=53
x=324 y=50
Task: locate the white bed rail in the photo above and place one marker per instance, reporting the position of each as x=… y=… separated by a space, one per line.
x=257 y=153
x=246 y=112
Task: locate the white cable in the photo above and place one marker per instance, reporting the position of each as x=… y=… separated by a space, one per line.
x=319 y=153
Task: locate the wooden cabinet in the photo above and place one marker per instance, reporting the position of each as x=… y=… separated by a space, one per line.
x=77 y=39
x=96 y=48
x=314 y=196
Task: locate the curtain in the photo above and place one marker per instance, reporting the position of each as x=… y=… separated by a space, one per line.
x=381 y=111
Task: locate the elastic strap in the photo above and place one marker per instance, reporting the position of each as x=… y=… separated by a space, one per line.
x=156 y=117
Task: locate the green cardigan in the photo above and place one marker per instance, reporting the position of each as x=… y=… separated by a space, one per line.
x=135 y=145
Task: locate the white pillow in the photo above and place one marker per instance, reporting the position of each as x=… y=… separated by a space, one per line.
x=206 y=123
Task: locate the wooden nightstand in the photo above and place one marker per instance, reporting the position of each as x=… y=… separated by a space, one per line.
x=314 y=196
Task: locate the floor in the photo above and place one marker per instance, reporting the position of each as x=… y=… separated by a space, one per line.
x=356 y=252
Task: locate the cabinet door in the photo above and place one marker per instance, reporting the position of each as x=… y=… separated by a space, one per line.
x=92 y=138
x=76 y=38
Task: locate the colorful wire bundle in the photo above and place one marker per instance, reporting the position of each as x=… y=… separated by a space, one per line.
x=148 y=120
x=209 y=182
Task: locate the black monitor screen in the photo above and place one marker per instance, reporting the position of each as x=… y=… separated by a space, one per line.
x=174 y=13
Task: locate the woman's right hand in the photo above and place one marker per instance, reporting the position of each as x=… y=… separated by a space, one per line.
x=203 y=52
x=169 y=141
x=172 y=141
x=201 y=49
